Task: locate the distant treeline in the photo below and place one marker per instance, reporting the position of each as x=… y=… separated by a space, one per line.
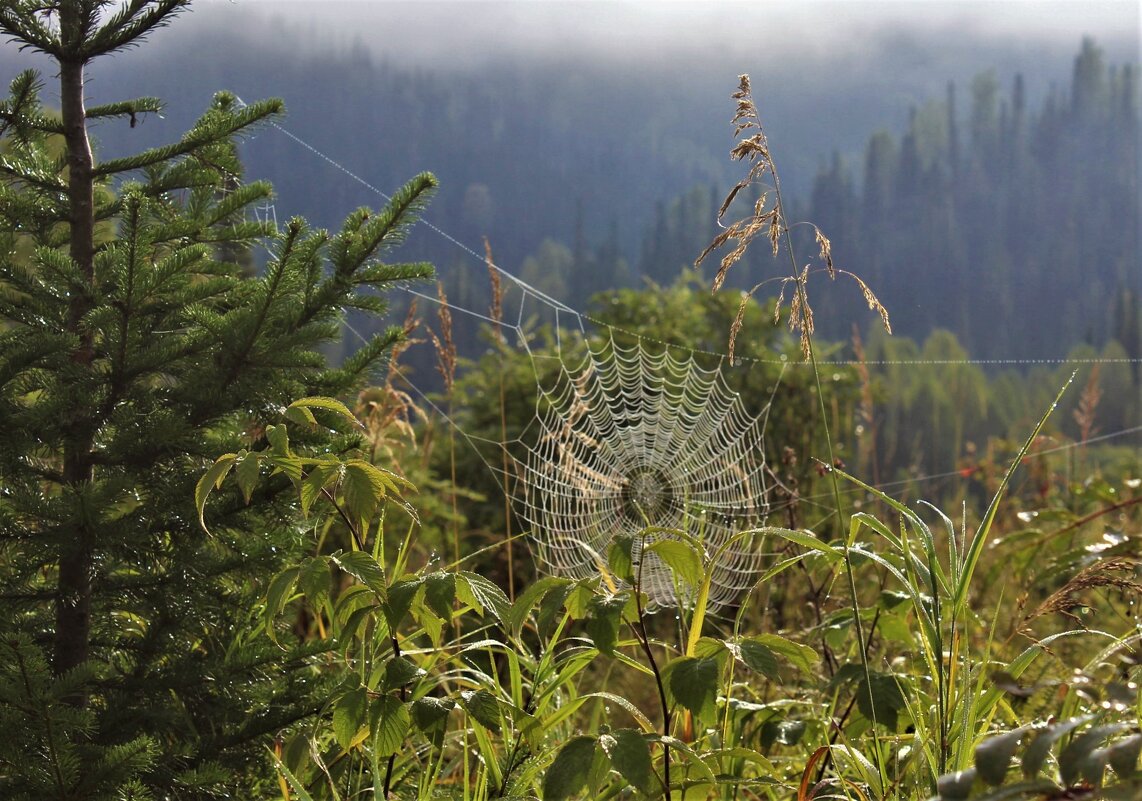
x=1015 y=227
x=1006 y=214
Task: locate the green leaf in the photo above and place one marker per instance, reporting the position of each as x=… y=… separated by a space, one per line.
x=363 y=567
x=400 y=597
x=482 y=594
x=246 y=473
x=886 y=698
x=804 y=539
x=365 y=486
x=277 y=595
x=532 y=595
x=303 y=406
x=211 y=480
x=320 y=476
x=430 y=715
x=1075 y=758
x=1123 y=755
x=693 y=681
x=349 y=714
x=760 y=658
x=682 y=557
x=956 y=786
x=297 y=785
x=483 y=707
x=401 y=671
x=439 y=593
x=316 y=580
x=1037 y=751
x=800 y=656
x=629 y=753
x=568 y=773
x=279 y=441
x=550 y=607
x=390 y=722
x=993 y=755
x=604 y=614
x=620 y=558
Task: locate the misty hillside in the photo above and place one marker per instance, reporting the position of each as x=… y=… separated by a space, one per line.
x=1010 y=219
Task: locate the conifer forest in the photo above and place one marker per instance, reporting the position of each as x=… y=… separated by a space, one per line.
x=611 y=400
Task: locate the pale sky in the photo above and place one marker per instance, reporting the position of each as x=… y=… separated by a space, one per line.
x=462 y=32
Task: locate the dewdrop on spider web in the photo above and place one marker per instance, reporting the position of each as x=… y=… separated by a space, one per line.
x=635 y=436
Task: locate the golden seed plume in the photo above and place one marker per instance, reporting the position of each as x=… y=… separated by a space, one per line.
x=769 y=219
x=497 y=291
x=445 y=346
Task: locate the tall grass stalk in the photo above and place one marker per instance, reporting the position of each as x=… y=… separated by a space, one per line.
x=774 y=223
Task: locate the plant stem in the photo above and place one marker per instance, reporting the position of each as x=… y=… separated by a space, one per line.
x=392 y=756
x=640 y=635
x=802 y=297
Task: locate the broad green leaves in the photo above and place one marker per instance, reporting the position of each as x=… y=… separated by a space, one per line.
x=354 y=487
x=765 y=652
x=693 y=683
x=569 y=772
x=1082 y=762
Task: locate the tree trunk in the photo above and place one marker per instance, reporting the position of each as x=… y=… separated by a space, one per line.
x=76 y=562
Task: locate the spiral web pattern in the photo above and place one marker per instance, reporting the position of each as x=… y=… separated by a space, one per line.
x=635 y=436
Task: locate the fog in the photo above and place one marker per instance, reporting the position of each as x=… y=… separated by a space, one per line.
x=461 y=33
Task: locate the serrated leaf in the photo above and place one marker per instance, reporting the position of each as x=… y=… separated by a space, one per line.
x=363 y=567
x=400 y=597
x=430 y=715
x=363 y=487
x=760 y=658
x=1123 y=755
x=390 y=722
x=534 y=593
x=886 y=698
x=693 y=682
x=800 y=656
x=246 y=473
x=211 y=480
x=1073 y=759
x=604 y=616
x=401 y=671
x=620 y=558
x=303 y=405
x=956 y=786
x=319 y=477
x=993 y=755
x=300 y=415
x=683 y=559
x=349 y=714
x=481 y=594
x=1036 y=752
x=277 y=595
x=439 y=593
x=629 y=753
x=550 y=608
x=569 y=771
x=315 y=579
x=279 y=440
x=483 y=707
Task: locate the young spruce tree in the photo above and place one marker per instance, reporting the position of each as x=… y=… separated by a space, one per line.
x=134 y=348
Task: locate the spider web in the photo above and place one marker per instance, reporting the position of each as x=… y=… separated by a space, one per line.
x=635 y=440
